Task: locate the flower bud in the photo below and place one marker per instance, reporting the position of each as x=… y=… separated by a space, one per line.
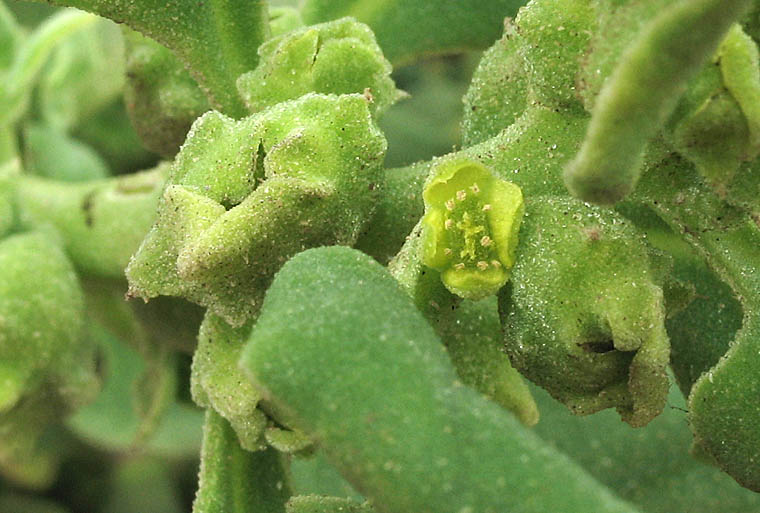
x=582 y=315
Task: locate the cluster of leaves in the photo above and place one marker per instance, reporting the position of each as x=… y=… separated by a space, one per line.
x=357 y=336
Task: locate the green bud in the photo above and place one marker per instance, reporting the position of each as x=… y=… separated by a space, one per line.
x=583 y=316
x=244 y=196
x=47 y=366
x=338 y=57
x=162 y=98
x=470 y=227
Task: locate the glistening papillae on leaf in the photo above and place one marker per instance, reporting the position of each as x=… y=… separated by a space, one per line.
x=372 y=367
x=410 y=437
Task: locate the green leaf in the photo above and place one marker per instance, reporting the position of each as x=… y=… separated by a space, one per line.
x=342 y=353
x=143 y=484
x=31 y=57
x=316 y=476
x=650 y=466
x=216 y=39
x=84 y=75
x=53 y=154
x=10 y=37
x=112 y=422
x=722 y=403
x=643 y=91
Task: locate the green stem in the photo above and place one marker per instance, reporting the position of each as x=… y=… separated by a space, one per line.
x=233 y=480
x=642 y=92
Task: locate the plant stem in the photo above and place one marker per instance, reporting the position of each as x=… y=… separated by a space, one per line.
x=233 y=480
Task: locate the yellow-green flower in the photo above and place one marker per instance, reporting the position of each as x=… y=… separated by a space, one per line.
x=470 y=227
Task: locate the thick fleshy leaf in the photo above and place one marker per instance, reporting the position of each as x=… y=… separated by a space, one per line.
x=216 y=39
x=342 y=353
x=246 y=195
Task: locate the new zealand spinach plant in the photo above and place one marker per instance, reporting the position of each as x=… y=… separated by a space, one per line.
x=201 y=224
